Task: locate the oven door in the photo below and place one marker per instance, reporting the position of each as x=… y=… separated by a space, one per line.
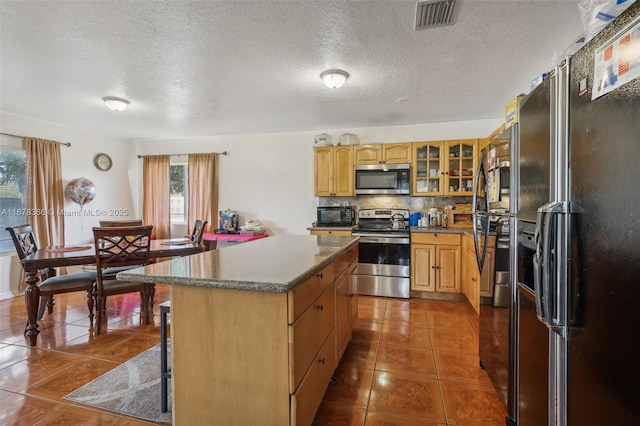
x=383 y=266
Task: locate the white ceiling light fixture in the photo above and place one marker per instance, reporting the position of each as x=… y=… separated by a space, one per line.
x=334 y=79
x=116 y=104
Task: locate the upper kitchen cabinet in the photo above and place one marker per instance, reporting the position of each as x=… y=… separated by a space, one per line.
x=427 y=172
x=460 y=166
x=388 y=153
x=333 y=167
x=444 y=167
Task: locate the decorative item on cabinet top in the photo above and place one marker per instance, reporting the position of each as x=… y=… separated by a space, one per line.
x=348 y=139
x=322 y=139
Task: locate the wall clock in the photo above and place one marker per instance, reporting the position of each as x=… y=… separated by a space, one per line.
x=102 y=162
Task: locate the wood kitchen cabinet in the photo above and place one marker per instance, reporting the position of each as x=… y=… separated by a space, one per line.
x=333 y=168
x=345 y=297
x=444 y=167
x=427 y=172
x=488 y=274
x=460 y=166
x=435 y=262
x=387 y=153
x=475 y=285
x=278 y=350
x=470 y=274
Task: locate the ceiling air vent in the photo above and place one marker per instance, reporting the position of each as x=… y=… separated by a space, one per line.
x=434 y=13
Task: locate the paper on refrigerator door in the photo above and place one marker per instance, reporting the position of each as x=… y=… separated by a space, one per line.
x=617 y=62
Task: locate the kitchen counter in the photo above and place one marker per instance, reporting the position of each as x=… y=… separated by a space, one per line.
x=440 y=230
x=233 y=238
x=275 y=264
x=256 y=328
x=331 y=228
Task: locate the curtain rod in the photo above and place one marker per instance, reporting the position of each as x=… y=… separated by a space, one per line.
x=179 y=155
x=18 y=136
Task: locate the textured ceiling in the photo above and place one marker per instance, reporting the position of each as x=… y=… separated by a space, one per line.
x=202 y=68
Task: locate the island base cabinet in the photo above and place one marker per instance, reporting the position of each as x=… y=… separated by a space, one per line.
x=307 y=334
x=307 y=399
x=229 y=355
x=258 y=358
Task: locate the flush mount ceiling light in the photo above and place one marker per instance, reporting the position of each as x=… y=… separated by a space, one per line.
x=334 y=79
x=116 y=104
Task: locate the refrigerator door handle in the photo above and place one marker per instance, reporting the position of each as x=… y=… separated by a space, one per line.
x=484 y=224
x=548 y=262
x=479 y=216
x=558 y=275
x=538 y=263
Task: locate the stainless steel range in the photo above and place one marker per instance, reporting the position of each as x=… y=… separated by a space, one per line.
x=383 y=262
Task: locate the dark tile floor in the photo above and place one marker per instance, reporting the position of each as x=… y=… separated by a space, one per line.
x=411 y=362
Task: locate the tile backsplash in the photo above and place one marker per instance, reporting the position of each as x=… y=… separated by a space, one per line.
x=413 y=204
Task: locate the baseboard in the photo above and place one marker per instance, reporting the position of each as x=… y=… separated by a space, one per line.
x=9 y=295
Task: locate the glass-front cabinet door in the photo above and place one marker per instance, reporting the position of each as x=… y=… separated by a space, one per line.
x=460 y=168
x=428 y=174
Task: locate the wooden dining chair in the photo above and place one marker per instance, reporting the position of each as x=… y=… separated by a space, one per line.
x=198 y=231
x=112 y=223
x=25 y=242
x=118 y=247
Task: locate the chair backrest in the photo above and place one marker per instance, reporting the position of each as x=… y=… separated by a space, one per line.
x=121 y=246
x=198 y=231
x=23 y=239
x=111 y=223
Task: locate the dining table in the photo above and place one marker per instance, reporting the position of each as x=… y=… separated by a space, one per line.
x=49 y=258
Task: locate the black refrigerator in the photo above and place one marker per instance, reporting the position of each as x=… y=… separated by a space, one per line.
x=493 y=215
x=533 y=169
x=585 y=250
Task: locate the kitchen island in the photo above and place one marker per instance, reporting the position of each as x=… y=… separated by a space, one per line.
x=257 y=329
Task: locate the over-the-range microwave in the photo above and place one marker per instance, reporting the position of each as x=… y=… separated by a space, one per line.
x=383 y=179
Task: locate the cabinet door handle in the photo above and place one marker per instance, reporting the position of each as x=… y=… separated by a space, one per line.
x=320 y=274
x=433 y=267
x=473 y=279
x=321 y=360
x=320 y=307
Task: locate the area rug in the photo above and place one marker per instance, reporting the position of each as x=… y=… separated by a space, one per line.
x=132 y=388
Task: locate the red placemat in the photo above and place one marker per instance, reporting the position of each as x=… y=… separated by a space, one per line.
x=66 y=249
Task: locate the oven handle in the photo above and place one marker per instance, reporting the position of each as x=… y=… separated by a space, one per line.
x=381 y=239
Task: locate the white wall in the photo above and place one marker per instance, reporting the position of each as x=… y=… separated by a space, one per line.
x=115 y=188
x=265 y=176
x=270 y=176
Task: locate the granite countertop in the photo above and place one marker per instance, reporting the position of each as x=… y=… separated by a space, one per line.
x=330 y=228
x=439 y=230
x=274 y=265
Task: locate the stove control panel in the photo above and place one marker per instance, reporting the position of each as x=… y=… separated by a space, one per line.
x=382 y=213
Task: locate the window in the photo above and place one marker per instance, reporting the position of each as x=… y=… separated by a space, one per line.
x=178 y=198
x=13 y=190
